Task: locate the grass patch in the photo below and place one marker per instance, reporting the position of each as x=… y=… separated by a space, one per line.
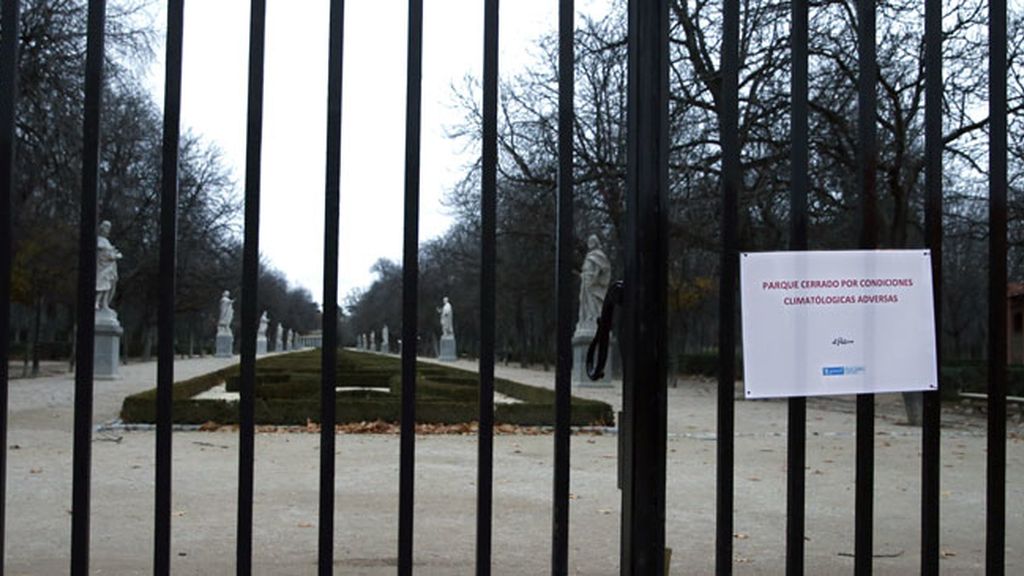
x=288 y=393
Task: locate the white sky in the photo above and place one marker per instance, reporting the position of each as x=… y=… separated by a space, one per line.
x=373 y=121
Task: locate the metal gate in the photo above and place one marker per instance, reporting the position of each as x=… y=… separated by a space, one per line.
x=643 y=330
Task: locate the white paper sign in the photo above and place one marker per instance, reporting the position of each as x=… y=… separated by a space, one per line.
x=821 y=323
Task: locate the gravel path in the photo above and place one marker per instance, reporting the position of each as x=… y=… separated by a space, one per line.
x=205 y=479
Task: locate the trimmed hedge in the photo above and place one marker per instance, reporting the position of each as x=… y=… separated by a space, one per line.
x=972 y=376
x=704 y=364
x=288 y=392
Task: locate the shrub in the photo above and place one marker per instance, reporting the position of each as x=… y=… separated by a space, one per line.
x=287 y=391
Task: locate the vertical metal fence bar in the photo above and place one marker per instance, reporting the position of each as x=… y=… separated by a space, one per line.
x=165 y=310
x=250 y=275
x=329 y=344
x=867 y=164
x=995 y=542
x=563 y=290
x=646 y=273
x=930 y=455
x=731 y=182
x=796 y=442
x=85 y=338
x=410 y=288
x=9 y=19
x=488 y=209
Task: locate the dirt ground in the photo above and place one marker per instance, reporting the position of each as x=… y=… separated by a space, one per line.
x=206 y=468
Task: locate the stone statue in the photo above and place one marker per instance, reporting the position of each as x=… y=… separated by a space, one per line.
x=446 y=318
x=373 y=340
x=447 y=348
x=106 y=267
x=277 y=337
x=227 y=314
x=261 y=335
x=384 y=345
x=595 y=277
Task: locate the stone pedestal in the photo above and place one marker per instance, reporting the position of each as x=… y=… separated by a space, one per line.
x=261 y=346
x=107 y=353
x=225 y=345
x=580 y=342
x=447 y=351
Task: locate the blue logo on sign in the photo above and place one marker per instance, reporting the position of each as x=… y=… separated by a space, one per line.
x=841 y=370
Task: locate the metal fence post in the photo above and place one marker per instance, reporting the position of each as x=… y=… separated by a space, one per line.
x=646 y=268
x=563 y=290
x=488 y=215
x=731 y=183
x=86 y=303
x=8 y=101
x=250 y=275
x=796 y=441
x=168 y=271
x=995 y=541
x=410 y=288
x=329 y=344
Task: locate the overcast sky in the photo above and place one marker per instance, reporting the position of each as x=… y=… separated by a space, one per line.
x=373 y=122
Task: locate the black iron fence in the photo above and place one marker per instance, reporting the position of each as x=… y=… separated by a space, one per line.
x=644 y=329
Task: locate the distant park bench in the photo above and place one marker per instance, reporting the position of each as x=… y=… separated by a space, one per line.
x=982 y=397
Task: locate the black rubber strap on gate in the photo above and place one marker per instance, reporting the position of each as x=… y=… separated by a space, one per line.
x=604 y=329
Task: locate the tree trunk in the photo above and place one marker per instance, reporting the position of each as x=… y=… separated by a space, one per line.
x=521 y=332
x=74 y=347
x=147 y=344
x=35 y=335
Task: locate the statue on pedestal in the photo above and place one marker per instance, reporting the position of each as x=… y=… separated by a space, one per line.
x=225 y=339
x=261 y=334
x=264 y=322
x=107 y=348
x=448 y=350
x=446 y=318
x=385 y=346
x=106 y=267
x=227 y=314
x=595 y=277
